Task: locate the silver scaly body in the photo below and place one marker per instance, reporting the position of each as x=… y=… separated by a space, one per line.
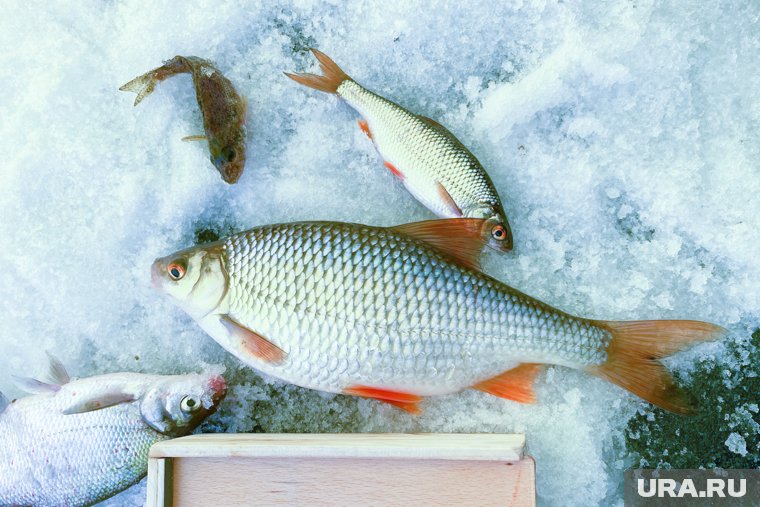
x=352 y=304
x=58 y=448
x=425 y=155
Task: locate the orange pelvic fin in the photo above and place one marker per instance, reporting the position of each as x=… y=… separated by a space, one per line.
x=459 y=238
x=392 y=168
x=331 y=79
x=450 y=203
x=633 y=357
x=515 y=384
x=365 y=127
x=404 y=401
x=254 y=342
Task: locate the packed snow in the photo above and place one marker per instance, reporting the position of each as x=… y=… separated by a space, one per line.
x=623 y=137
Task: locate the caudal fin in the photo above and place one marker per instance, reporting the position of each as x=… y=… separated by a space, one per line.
x=141 y=85
x=329 y=82
x=634 y=354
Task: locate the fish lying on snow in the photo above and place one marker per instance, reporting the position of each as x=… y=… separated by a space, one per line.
x=433 y=165
x=82 y=441
x=222 y=108
x=403 y=312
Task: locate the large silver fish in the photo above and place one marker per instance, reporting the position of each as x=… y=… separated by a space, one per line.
x=400 y=313
x=430 y=161
x=79 y=442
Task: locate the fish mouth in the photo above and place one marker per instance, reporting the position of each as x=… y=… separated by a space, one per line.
x=218 y=387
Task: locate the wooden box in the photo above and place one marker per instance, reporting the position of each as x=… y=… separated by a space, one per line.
x=341 y=469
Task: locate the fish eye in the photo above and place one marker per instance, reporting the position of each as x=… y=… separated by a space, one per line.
x=229 y=154
x=189 y=404
x=176 y=271
x=499 y=233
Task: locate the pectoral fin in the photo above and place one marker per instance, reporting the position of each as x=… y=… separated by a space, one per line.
x=449 y=201
x=194 y=138
x=98 y=401
x=253 y=342
x=364 y=126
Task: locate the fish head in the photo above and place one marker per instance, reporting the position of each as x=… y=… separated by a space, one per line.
x=496 y=231
x=228 y=156
x=195 y=278
x=175 y=405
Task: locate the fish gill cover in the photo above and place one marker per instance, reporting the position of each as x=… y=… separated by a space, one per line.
x=623 y=139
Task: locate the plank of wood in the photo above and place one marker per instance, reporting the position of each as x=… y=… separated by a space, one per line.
x=472 y=447
x=242 y=481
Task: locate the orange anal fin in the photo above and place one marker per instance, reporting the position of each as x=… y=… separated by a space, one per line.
x=364 y=126
x=449 y=201
x=392 y=168
x=515 y=384
x=253 y=342
x=404 y=401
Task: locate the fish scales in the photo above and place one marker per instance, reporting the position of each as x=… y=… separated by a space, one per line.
x=78 y=442
x=357 y=296
x=109 y=439
x=405 y=312
x=406 y=140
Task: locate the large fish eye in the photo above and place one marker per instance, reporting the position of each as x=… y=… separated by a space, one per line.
x=176 y=271
x=499 y=233
x=189 y=404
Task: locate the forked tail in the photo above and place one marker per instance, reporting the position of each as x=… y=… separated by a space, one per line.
x=634 y=354
x=145 y=84
x=329 y=82
x=141 y=85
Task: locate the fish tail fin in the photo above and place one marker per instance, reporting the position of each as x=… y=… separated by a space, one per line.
x=331 y=79
x=141 y=85
x=145 y=84
x=634 y=352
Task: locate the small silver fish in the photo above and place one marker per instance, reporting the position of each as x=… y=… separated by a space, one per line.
x=75 y=443
x=434 y=166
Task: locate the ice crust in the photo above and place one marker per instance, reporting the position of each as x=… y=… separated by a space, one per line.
x=622 y=136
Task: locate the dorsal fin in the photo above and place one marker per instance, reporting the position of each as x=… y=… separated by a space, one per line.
x=56 y=370
x=459 y=238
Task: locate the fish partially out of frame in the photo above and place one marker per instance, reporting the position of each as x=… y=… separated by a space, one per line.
x=78 y=442
x=222 y=108
x=403 y=312
x=433 y=165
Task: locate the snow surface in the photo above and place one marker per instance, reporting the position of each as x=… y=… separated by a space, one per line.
x=622 y=136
